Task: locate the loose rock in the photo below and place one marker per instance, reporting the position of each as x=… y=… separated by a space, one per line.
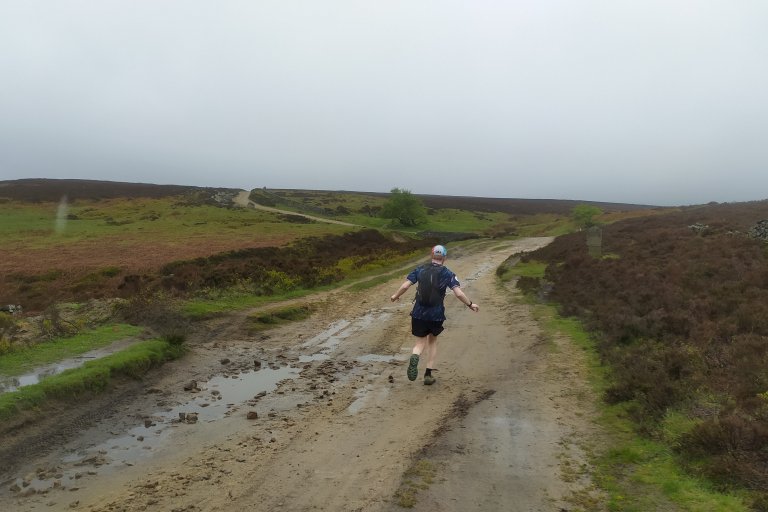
x=760 y=230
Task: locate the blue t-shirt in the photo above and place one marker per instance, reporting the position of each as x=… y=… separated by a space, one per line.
x=435 y=313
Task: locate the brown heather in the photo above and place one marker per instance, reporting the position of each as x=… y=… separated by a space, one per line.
x=681 y=318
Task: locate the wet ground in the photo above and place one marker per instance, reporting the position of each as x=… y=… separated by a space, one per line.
x=318 y=415
x=35 y=375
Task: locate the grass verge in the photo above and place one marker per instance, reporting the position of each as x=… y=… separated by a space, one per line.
x=20 y=360
x=232 y=300
x=276 y=317
x=93 y=376
x=513 y=267
x=357 y=279
x=637 y=474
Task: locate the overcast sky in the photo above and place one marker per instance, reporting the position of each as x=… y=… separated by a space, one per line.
x=651 y=101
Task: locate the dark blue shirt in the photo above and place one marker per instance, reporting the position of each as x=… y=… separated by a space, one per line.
x=435 y=313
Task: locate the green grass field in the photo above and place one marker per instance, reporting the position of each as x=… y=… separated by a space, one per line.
x=349 y=207
x=35 y=225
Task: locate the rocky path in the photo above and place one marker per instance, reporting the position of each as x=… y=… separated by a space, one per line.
x=319 y=415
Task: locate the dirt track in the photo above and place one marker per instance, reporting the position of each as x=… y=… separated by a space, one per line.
x=502 y=429
x=242 y=199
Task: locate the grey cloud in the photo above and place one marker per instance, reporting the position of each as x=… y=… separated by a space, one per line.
x=648 y=102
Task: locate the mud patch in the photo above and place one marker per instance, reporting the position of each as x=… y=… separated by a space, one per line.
x=459 y=410
x=367 y=397
x=331 y=338
x=421 y=474
x=215 y=399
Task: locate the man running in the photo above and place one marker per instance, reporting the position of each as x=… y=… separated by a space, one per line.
x=428 y=312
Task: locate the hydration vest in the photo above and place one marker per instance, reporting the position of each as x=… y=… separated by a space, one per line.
x=428 y=293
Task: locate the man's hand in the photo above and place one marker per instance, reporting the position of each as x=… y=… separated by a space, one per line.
x=394 y=298
x=474 y=307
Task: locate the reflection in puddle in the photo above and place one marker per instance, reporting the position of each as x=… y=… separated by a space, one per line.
x=8 y=384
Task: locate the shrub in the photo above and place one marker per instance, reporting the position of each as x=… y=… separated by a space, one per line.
x=8 y=328
x=158 y=312
x=680 y=316
x=731 y=446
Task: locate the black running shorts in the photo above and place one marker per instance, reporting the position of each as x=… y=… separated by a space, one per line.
x=421 y=328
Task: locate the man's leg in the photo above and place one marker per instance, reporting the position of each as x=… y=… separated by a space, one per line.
x=413 y=363
x=421 y=344
x=431 y=354
x=431 y=350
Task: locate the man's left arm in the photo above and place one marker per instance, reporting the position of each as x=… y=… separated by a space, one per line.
x=459 y=293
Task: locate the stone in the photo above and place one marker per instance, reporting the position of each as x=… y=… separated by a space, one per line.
x=759 y=230
x=252 y=415
x=698 y=228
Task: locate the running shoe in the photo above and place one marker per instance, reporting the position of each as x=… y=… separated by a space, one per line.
x=413 y=367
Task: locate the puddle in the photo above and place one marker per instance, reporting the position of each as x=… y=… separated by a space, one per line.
x=9 y=384
x=378 y=358
x=314 y=357
x=216 y=398
x=330 y=339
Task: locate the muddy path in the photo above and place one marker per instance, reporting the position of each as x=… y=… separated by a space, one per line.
x=319 y=415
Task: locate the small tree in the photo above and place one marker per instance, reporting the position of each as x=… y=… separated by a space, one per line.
x=584 y=215
x=403 y=206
